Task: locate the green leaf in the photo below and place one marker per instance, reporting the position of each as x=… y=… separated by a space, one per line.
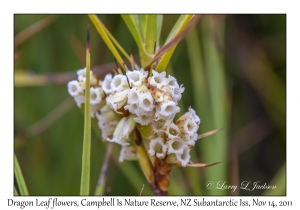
x=162 y=65
x=20 y=178
x=150 y=40
x=159 y=22
x=133 y=28
x=86 y=154
x=101 y=29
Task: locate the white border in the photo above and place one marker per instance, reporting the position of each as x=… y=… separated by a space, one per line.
x=154 y=6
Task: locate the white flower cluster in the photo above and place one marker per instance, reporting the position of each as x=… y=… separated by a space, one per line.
x=121 y=101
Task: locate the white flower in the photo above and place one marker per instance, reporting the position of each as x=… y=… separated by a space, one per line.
x=119 y=83
x=106 y=84
x=176 y=146
x=159 y=125
x=145 y=119
x=146 y=103
x=158 y=79
x=173 y=131
x=185 y=157
x=95 y=95
x=74 y=88
x=188 y=128
x=182 y=159
x=157 y=147
x=167 y=109
x=194 y=115
x=136 y=78
x=82 y=76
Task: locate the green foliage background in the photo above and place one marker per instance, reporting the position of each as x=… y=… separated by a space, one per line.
x=242 y=56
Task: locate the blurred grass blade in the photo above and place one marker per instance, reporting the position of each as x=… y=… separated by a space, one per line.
x=102 y=178
x=131 y=25
x=150 y=36
x=215 y=150
x=20 y=178
x=279 y=181
x=162 y=65
x=101 y=29
x=33 y=29
x=86 y=154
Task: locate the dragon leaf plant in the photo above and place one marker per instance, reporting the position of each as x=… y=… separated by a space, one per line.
x=136 y=107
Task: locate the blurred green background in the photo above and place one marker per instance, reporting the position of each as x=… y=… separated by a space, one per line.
x=233 y=68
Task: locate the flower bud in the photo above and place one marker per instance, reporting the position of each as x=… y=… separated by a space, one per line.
x=123 y=129
x=117 y=100
x=127 y=153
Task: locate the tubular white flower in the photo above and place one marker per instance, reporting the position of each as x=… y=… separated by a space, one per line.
x=145 y=119
x=173 y=131
x=117 y=100
x=133 y=95
x=127 y=153
x=136 y=78
x=167 y=109
x=176 y=146
x=79 y=99
x=119 y=83
x=95 y=95
x=188 y=128
x=172 y=82
x=158 y=79
x=74 y=88
x=82 y=76
x=106 y=84
x=177 y=93
x=194 y=116
x=159 y=125
x=157 y=147
x=185 y=157
x=146 y=103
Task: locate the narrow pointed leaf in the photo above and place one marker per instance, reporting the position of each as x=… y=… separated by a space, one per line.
x=200 y=136
x=150 y=36
x=100 y=28
x=129 y=21
x=86 y=154
x=20 y=178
